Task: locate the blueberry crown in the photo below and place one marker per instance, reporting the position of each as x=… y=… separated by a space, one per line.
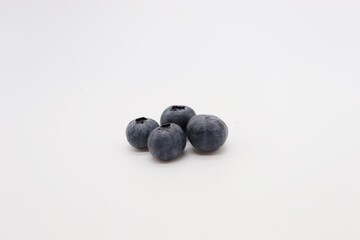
x=141 y=120
x=177 y=108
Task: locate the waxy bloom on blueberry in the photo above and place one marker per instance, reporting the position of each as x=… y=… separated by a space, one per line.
x=167 y=141
x=206 y=133
x=177 y=114
x=138 y=130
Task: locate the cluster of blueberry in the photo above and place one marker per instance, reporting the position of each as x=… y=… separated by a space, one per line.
x=206 y=133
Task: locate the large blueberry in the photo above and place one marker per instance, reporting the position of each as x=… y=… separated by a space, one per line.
x=167 y=141
x=206 y=133
x=177 y=114
x=138 y=130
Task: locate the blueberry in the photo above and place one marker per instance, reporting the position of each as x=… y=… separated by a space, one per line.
x=167 y=141
x=177 y=114
x=206 y=133
x=138 y=130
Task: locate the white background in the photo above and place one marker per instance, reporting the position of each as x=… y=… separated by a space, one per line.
x=284 y=76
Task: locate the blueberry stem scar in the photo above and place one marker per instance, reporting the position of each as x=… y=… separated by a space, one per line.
x=141 y=120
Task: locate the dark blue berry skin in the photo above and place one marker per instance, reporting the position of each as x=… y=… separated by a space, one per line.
x=167 y=142
x=138 y=130
x=177 y=114
x=207 y=133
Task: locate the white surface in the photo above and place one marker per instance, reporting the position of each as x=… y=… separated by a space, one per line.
x=284 y=75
